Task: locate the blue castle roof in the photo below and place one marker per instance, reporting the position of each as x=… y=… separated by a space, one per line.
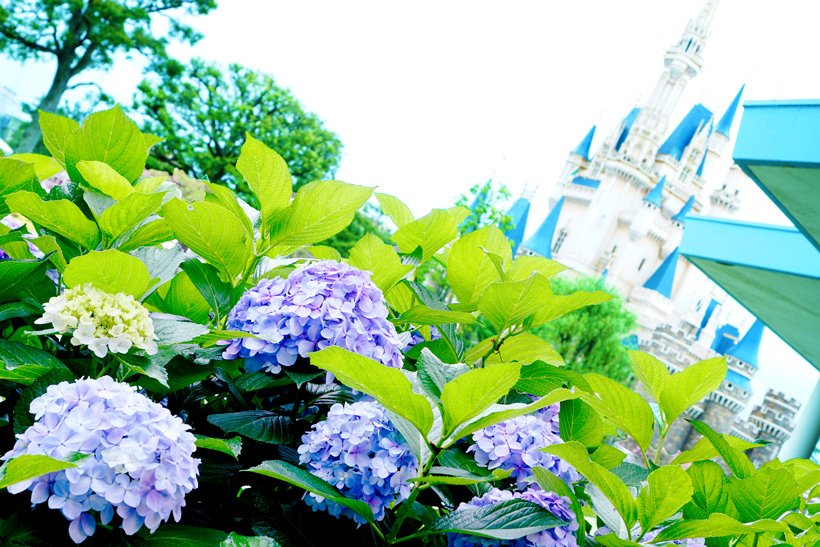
x=725 y=337
x=702 y=163
x=584 y=181
x=707 y=315
x=627 y=126
x=680 y=138
x=518 y=214
x=541 y=241
x=746 y=350
x=583 y=147
x=739 y=380
x=655 y=196
x=685 y=210
x=664 y=277
x=724 y=126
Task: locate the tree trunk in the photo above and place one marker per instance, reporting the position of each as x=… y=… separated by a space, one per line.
x=49 y=103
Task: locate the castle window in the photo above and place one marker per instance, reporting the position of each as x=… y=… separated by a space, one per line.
x=643 y=261
x=562 y=235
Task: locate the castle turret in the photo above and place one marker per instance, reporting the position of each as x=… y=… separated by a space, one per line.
x=541 y=241
x=578 y=159
x=518 y=214
x=773 y=421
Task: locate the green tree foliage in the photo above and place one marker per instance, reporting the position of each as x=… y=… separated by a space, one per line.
x=590 y=338
x=204 y=113
x=484 y=201
x=85 y=34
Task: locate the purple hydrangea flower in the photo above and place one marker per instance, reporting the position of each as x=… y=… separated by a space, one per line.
x=320 y=304
x=516 y=444
x=357 y=450
x=417 y=337
x=139 y=460
x=561 y=536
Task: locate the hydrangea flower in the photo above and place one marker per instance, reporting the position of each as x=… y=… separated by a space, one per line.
x=13 y=222
x=516 y=444
x=417 y=337
x=561 y=536
x=320 y=304
x=102 y=321
x=357 y=450
x=139 y=462
x=60 y=179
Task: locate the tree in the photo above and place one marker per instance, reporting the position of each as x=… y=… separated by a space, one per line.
x=590 y=338
x=205 y=114
x=85 y=34
x=483 y=202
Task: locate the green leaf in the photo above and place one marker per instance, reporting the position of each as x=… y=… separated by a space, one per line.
x=630 y=474
x=58 y=131
x=323 y=252
x=44 y=166
x=17 y=276
x=111 y=271
x=183 y=298
x=235 y=540
x=393 y=207
x=149 y=233
x=267 y=176
x=431 y=232
x=510 y=302
x=60 y=216
x=24 y=364
x=320 y=210
x=180 y=535
x=551 y=483
x=172 y=329
x=301 y=478
x=110 y=137
x=540 y=378
x=163 y=264
x=30 y=466
x=471 y=393
x=460 y=477
x=49 y=245
x=434 y=374
x=526 y=348
x=501 y=413
x=610 y=485
x=650 y=372
x=259 y=425
x=526 y=265
x=709 y=490
x=737 y=461
x=669 y=488
x=621 y=407
x=104 y=178
x=373 y=255
x=387 y=385
x=128 y=213
x=765 y=494
x=558 y=305
x=507 y=520
x=423 y=315
x=17 y=175
x=690 y=386
x=19 y=309
x=608 y=456
x=212 y=233
x=225 y=197
x=217 y=293
x=717 y=525
x=579 y=422
x=705 y=450
x=469 y=269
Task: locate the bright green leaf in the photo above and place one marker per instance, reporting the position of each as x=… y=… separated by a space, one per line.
x=717 y=525
x=16 y=176
x=373 y=255
x=621 y=407
x=765 y=494
x=111 y=271
x=510 y=302
x=104 y=178
x=526 y=348
x=737 y=461
x=434 y=374
x=579 y=422
x=709 y=490
x=149 y=233
x=30 y=466
x=650 y=372
x=58 y=131
x=469 y=270
x=423 y=315
x=541 y=378
x=705 y=450
x=471 y=393
x=387 y=385
x=431 y=232
x=393 y=207
x=217 y=293
x=669 y=488
x=526 y=265
x=60 y=216
x=44 y=166
x=559 y=305
x=128 y=213
x=690 y=386
x=267 y=176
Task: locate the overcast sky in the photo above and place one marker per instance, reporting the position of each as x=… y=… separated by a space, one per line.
x=430 y=97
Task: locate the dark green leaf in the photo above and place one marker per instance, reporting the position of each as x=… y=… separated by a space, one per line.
x=259 y=425
x=507 y=520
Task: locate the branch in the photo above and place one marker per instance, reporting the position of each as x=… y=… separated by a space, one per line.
x=85 y=60
x=95 y=84
x=12 y=35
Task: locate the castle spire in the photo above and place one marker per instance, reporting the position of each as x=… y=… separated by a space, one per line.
x=583 y=147
x=518 y=214
x=664 y=277
x=685 y=210
x=746 y=350
x=655 y=196
x=541 y=241
x=724 y=126
x=683 y=61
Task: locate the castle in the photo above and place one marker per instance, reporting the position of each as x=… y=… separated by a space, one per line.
x=620 y=212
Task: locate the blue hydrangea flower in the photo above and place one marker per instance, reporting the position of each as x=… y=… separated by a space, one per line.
x=139 y=462
x=320 y=304
x=417 y=337
x=357 y=450
x=516 y=444
x=561 y=536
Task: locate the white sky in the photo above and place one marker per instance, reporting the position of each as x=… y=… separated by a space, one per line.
x=430 y=97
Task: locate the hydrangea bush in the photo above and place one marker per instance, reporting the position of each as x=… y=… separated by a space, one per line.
x=171 y=351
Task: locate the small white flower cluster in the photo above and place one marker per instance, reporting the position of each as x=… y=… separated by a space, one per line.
x=104 y=322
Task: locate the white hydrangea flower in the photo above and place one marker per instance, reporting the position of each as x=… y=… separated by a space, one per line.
x=104 y=322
